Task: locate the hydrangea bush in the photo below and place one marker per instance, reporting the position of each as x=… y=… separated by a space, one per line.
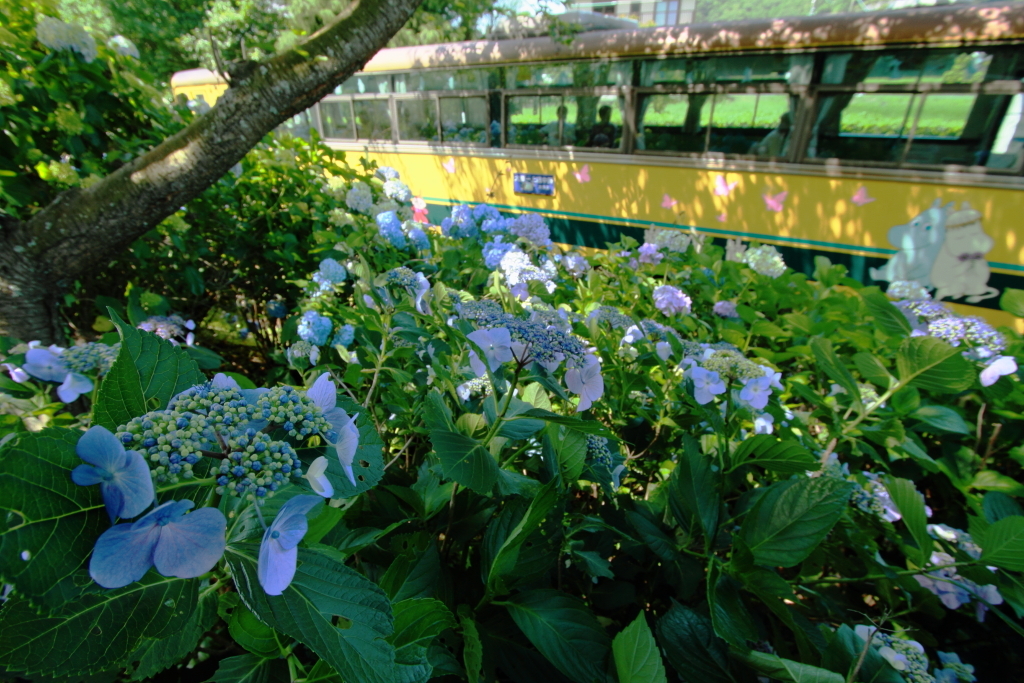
x=485 y=457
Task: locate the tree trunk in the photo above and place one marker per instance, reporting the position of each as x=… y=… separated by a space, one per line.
x=84 y=229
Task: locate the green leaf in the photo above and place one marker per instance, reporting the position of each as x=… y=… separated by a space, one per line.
x=1003 y=544
x=586 y=426
x=48 y=524
x=933 y=364
x=693 y=487
x=889 y=318
x=792 y=517
x=942 y=418
x=535 y=395
x=252 y=634
x=507 y=558
x=322 y=589
x=569 y=447
x=729 y=615
x=436 y=414
x=872 y=369
x=465 y=460
x=788 y=671
x=153 y=655
x=414 y=574
x=249 y=668
x=473 y=650
x=1012 y=301
x=774 y=455
x=692 y=647
x=827 y=360
x=368 y=463
x=146 y=374
x=205 y=358
x=656 y=539
x=990 y=480
x=95 y=632
x=562 y=628
x=845 y=650
x=910 y=504
x=417 y=623
x=999 y=505
x=637 y=659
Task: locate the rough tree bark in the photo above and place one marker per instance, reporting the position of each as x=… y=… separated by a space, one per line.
x=82 y=230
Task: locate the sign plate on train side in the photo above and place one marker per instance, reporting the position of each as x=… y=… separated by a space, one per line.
x=533 y=183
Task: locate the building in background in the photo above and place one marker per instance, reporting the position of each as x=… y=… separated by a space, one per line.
x=646 y=13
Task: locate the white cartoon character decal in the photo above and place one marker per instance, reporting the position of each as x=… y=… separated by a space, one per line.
x=961 y=268
x=919 y=242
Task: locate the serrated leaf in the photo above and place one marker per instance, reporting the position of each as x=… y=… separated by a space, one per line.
x=95 y=632
x=146 y=374
x=887 y=316
x=788 y=671
x=729 y=614
x=322 y=589
x=910 y=504
x=1012 y=301
x=933 y=364
x=826 y=359
x=1003 y=544
x=48 y=524
x=871 y=369
x=506 y=560
x=998 y=505
x=792 y=517
x=942 y=418
x=417 y=623
x=473 y=650
x=562 y=628
x=465 y=460
x=414 y=574
x=637 y=659
x=250 y=668
x=693 y=487
x=436 y=414
x=252 y=634
x=785 y=457
x=990 y=480
x=691 y=646
x=153 y=655
x=569 y=447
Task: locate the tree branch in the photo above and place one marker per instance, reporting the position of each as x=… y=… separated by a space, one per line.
x=84 y=229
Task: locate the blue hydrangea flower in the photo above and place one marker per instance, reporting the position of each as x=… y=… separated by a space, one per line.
x=586 y=381
x=316 y=475
x=397 y=190
x=483 y=212
x=123 y=476
x=495 y=251
x=185 y=546
x=706 y=384
x=277 y=309
x=390 y=228
x=671 y=300
x=496 y=345
x=345 y=335
x=343 y=434
x=756 y=391
x=419 y=239
x=332 y=271
x=45 y=364
x=315 y=328
x=387 y=173
x=279 y=550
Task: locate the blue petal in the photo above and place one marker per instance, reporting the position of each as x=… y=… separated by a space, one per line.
x=323 y=392
x=87 y=475
x=136 y=485
x=74 y=386
x=123 y=555
x=101 y=448
x=252 y=395
x=276 y=566
x=165 y=513
x=291 y=522
x=222 y=381
x=45 y=365
x=191 y=545
x=113 y=499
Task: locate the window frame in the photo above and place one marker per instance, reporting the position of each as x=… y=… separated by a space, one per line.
x=617 y=91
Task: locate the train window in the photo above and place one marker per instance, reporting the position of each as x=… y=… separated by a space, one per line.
x=559 y=121
x=373 y=119
x=449 y=79
x=464 y=119
x=671 y=122
x=364 y=84
x=792 y=69
x=759 y=124
x=953 y=128
x=952 y=66
x=417 y=120
x=1009 y=140
x=881 y=68
x=337 y=119
x=569 y=74
x=861 y=126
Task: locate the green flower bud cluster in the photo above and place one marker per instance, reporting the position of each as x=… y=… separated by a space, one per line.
x=734 y=365
x=256 y=466
x=170 y=440
x=598 y=453
x=402 y=277
x=297 y=414
x=88 y=357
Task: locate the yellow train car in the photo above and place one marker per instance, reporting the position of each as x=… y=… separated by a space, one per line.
x=891 y=142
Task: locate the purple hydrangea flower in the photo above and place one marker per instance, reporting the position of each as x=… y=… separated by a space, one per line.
x=185 y=546
x=649 y=254
x=125 y=482
x=279 y=550
x=670 y=300
x=725 y=309
x=586 y=381
x=756 y=391
x=495 y=251
x=706 y=384
x=496 y=345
